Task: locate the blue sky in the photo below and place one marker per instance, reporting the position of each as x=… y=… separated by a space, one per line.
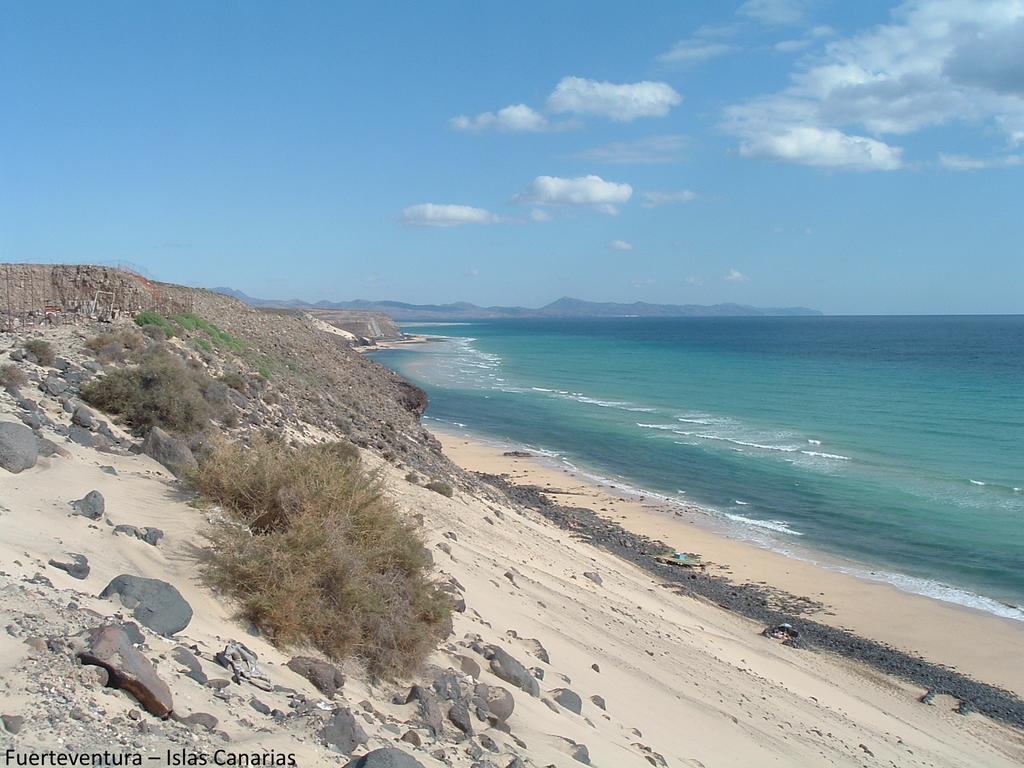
x=854 y=157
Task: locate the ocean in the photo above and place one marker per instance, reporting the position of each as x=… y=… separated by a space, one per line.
x=893 y=447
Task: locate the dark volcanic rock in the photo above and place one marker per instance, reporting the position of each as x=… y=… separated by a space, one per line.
x=19 y=447
x=510 y=670
x=568 y=699
x=12 y=723
x=496 y=700
x=429 y=708
x=149 y=535
x=84 y=418
x=388 y=757
x=754 y=602
x=169 y=451
x=110 y=647
x=92 y=505
x=327 y=678
x=342 y=733
x=187 y=659
x=156 y=604
x=78 y=568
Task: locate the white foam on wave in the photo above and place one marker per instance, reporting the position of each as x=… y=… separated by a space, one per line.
x=779 y=526
x=823 y=455
x=814 y=442
x=978 y=482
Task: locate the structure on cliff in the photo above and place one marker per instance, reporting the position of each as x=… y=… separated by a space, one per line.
x=53 y=294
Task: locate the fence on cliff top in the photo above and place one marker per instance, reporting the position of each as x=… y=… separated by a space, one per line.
x=33 y=295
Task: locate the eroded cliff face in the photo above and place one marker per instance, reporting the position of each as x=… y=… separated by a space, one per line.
x=35 y=293
x=372 y=326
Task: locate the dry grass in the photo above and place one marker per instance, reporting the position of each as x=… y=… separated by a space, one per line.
x=115 y=347
x=317 y=555
x=43 y=351
x=161 y=391
x=12 y=376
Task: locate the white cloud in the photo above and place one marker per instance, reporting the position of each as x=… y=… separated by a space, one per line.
x=515 y=118
x=775 y=12
x=968 y=163
x=620 y=245
x=650 y=150
x=434 y=215
x=582 y=190
x=695 y=50
x=735 y=276
x=695 y=280
x=538 y=214
x=653 y=199
x=937 y=62
x=827 y=148
x=623 y=102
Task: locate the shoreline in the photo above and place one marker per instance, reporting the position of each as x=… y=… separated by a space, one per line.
x=970 y=641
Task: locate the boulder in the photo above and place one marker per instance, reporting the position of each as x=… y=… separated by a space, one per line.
x=19 y=447
x=342 y=733
x=327 y=678
x=110 y=647
x=82 y=436
x=92 y=505
x=12 y=723
x=511 y=671
x=469 y=666
x=498 y=701
x=388 y=757
x=169 y=451
x=78 y=568
x=598 y=701
x=594 y=577
x=156 y=604
x=568 y=699
x=84 y=418
x=429 y=708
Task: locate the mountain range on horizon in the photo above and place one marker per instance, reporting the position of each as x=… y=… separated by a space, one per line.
x=565 y=307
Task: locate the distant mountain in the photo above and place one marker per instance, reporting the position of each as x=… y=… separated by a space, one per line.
x=565 y=307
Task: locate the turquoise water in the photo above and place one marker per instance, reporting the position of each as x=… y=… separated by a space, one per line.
x=895 y=443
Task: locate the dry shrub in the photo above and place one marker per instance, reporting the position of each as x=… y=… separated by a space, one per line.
x=12 y=376
x=158 y=392
x=445 y=489
x=317 y=555
x=114 y=347
x=42 y=350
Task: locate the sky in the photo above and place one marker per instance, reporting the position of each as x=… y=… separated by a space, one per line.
x=857 y=158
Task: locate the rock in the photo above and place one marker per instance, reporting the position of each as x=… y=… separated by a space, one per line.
x=109 y=647
x=259 y=706
x=327 y=678
x=342 y=733
x=594 y=577
x=149 y=535
x=81 y=436
x=84 y=418
x=388 y=757
x=596 y=667
x=498 y=701
x=598 y=701
x=202 y=719
x=169 y=451
x=469 y=667
x=411 y=737
x=568 y=699
x=19 y=447
x=429 y=709
x=12 y=723
x=155 y=603
x=78 y=568
x=49 y=448
x=511 y=671
x=187 y=659
x=580 y=754
x=459 y=716
x=53 y=386
x=488 y=743
x=538 y=650
x=92 y=505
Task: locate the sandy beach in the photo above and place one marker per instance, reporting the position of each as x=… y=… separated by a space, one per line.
x=973 y=642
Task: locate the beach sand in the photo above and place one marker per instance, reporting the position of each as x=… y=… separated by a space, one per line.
x=978 y=644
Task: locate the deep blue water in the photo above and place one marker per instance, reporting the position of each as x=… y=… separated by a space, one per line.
x=896 y=442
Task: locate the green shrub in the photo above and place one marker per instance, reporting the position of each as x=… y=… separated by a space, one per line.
x=150 y=318
x=445 y=489
x=158 y=392
x=12 y=376
x=43 y=351
x=220 y=338
x=317 y=555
